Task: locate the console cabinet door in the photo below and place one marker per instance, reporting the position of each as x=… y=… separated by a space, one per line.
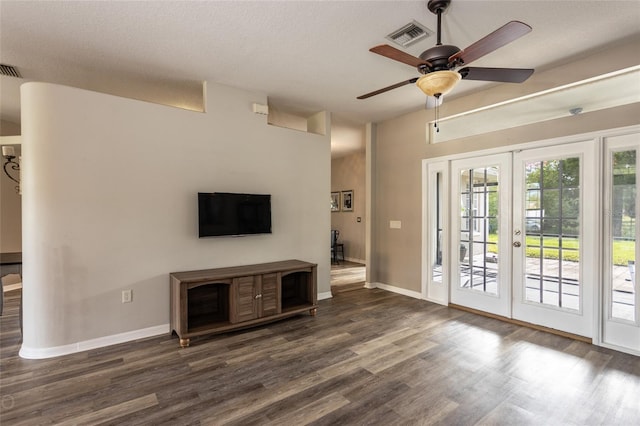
x=245 y=305
x=270 y=294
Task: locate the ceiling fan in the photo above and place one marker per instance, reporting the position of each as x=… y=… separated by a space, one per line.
x=438 y=64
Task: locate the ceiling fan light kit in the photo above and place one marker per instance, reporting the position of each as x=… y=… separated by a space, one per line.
x=438 y=83
x=438 y=63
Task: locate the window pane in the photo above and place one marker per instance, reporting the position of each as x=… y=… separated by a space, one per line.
x=552 y=227
x=570 y=173
x=570 y=202
x=623 y=243
x=436 y=270
x=479 y=206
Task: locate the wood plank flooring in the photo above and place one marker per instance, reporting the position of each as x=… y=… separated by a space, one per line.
x=369 y=357
x=347 y=276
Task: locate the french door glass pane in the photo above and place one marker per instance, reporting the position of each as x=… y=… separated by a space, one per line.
x=436 y=270
x=552 y=227
x=479 y=229
x=623 y=243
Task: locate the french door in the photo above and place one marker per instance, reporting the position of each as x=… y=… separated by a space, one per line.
x=542 y=235
x=621 y=295
x=555 y=236
x=523 y=235
x=480 y=232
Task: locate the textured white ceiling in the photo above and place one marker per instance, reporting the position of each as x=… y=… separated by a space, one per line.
x=305 y=55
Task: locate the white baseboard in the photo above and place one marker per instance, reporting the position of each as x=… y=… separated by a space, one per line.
x=393 y=289
x=620 y=348
x=324 y=295
x=437 y=301
x=100 y=342
x=354 y=260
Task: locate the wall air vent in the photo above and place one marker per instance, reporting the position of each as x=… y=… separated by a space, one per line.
x=411 y=33
x=9 y=71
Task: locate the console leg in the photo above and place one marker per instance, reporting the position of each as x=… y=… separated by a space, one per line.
x=313 y=311
x=184 y=343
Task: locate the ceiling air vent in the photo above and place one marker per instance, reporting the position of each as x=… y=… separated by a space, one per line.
x=411 y=33
x=9 y=71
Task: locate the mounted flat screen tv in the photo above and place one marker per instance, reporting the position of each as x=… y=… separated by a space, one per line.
x=224 y=213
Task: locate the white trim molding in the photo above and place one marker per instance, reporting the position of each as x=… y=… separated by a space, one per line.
x=324 y=295
x=394 y=289
x=100 y=342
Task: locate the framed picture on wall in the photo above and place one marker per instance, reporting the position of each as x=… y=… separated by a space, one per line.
x=347 y=201
x=335 y=201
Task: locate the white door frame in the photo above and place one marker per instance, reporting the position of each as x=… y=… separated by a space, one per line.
x=580 y=321
x=599 y=136
x=433 y=290
x=500 y=303
x=617 y=333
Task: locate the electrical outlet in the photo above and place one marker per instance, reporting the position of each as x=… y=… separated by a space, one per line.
x=127 y=296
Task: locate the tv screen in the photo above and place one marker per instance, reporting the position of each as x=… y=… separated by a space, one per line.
x=223 y=213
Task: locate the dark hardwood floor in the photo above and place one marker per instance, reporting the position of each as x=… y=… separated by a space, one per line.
x=368 y=357
x=347 y=276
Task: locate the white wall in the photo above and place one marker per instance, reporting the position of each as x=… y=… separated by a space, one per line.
x=8 y=128
x=401 y=145
x=109 y=203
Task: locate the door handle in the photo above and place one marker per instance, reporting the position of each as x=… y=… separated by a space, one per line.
x=258 y=296
x=517 y=244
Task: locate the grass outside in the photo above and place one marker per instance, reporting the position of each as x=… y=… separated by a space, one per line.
x=623 y=251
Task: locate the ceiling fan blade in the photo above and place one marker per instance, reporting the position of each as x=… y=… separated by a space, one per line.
x=398 y=55
x=504 y=35
x=386 y=89
x=504 y=75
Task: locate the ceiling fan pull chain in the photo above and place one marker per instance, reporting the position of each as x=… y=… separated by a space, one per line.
x=437 y=113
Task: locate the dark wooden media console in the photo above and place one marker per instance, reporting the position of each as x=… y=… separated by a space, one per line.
x=224 y=299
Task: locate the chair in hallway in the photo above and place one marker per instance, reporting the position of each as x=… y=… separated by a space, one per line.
x=336 y=247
